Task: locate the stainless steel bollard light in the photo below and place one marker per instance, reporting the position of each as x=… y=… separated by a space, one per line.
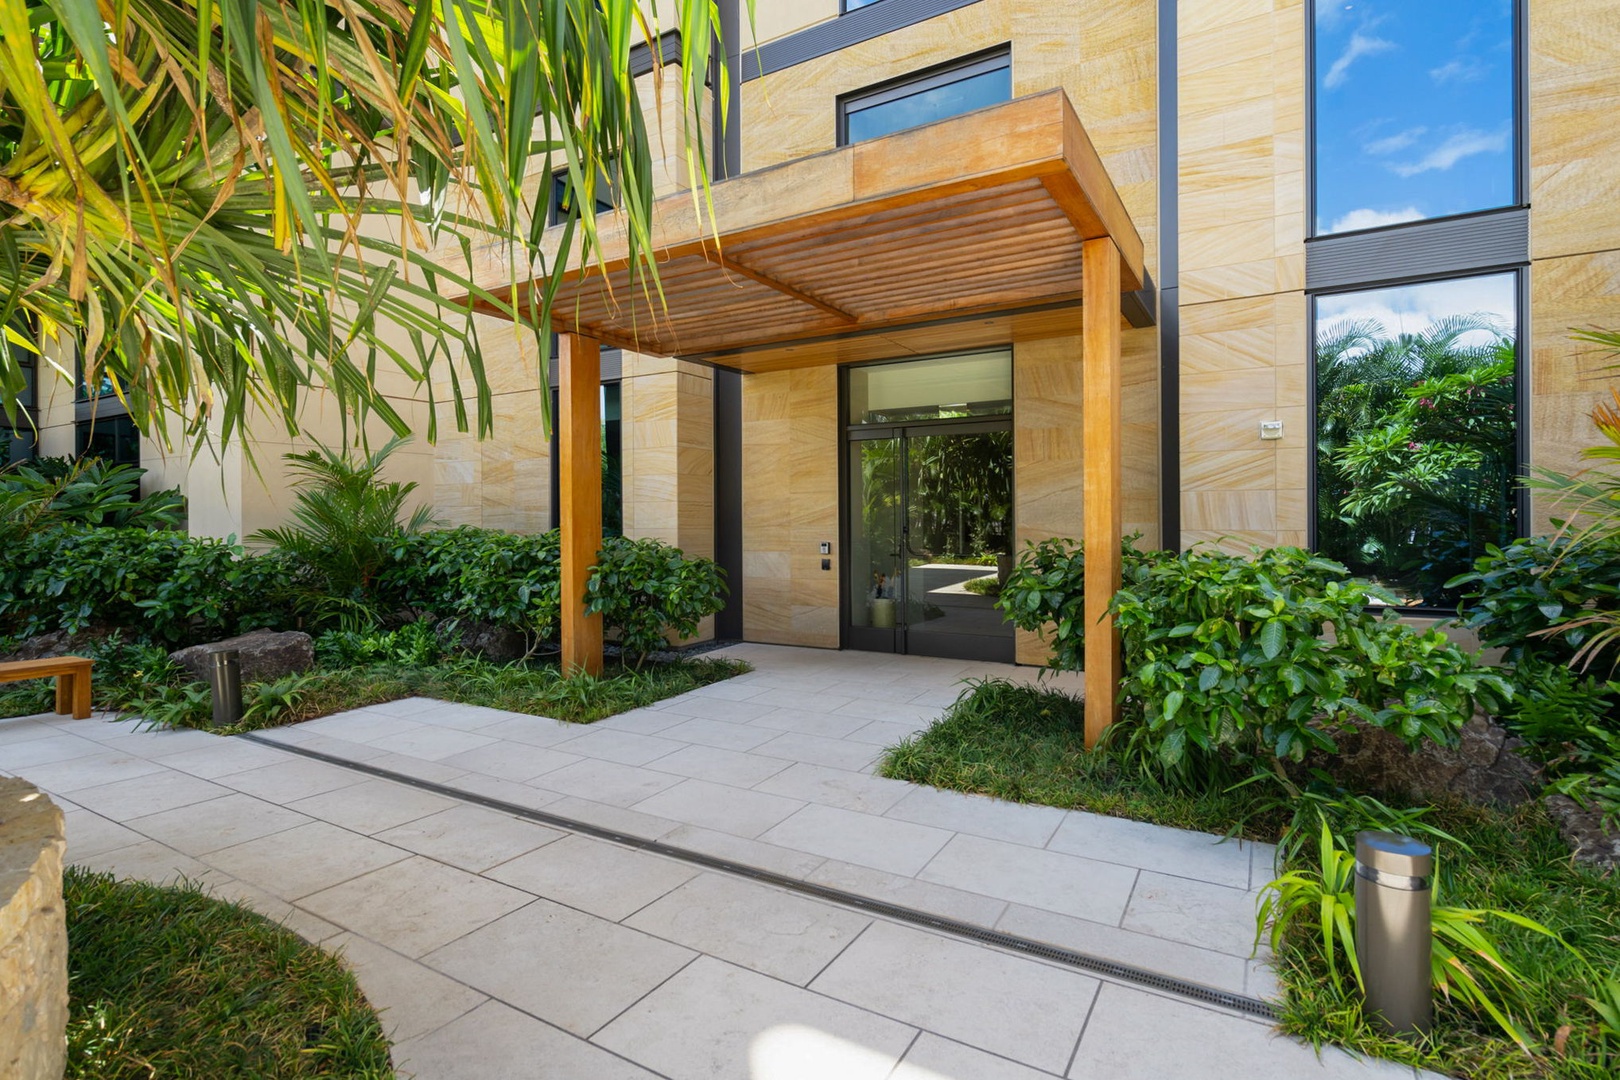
x=1394 y=878
x=225 y=680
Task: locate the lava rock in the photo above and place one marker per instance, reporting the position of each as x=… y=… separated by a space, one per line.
x=266 y=655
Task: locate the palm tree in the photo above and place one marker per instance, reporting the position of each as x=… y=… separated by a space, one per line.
x=230 y=204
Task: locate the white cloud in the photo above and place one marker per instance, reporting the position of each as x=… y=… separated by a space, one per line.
x=1462 y=145
x=1360 y=45
x=1464 y=69
x=1410 y=309
x=1331 y=13
x=1391 y=143
x=1368 y=218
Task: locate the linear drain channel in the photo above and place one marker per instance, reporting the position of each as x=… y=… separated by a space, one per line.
x=1111 y=969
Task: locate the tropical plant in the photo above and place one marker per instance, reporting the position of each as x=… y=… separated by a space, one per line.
x=225 y=206
x=1416 y=455
x=36 y=496
x=264 y=702
x=1467 y=966
x=1532 y=597
x=1591 y=502
x=346 y=521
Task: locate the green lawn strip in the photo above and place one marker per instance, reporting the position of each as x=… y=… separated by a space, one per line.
x=170 y=982
x=538 y=690
x=1027 y=745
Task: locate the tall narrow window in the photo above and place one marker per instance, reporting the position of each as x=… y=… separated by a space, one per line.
x=19 y=434
x=1414 y=110
x=924 y=97
x=1416 y=430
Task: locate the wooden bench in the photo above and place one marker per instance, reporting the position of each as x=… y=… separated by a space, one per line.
x=72 y=680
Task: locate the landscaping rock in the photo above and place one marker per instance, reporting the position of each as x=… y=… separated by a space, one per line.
x=497 y=644
x=56 y=643
x=1485 y=766
x=1583 y=831
x=266 y=655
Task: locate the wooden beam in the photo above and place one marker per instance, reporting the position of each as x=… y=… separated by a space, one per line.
x=720 y=259
x=579 y=475
x=1100 y=426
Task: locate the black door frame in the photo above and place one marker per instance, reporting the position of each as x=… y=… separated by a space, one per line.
x=898 y=640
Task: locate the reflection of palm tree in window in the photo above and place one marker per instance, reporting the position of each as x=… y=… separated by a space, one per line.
x=1416 y=455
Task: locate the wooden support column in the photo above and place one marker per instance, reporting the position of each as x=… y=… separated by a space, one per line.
x=1100 y=417
x=579 y=478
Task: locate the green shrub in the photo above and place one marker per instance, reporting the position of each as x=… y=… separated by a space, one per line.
x=645 y=588
x=40 y=495
x=1045 y=593
x=175 y=589
x=1228 y=664
x=1534 y=585
x=482 y=575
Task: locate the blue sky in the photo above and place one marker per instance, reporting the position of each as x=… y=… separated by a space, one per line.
x=1414 y=107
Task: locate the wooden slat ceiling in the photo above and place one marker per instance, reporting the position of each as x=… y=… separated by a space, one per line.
x=976 y=215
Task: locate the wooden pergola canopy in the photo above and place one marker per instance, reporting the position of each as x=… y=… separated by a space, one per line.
x=980 y=213
x=1007 y=209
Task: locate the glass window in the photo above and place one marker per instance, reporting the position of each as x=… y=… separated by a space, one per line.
x=972 y=384
x=113 y=439
x=612 y=460
x=1416 y=434
x=852 y=5
x=562 y=195
x=924 y=98
x=1414 y=104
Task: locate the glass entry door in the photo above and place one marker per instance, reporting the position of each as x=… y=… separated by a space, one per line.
x=929 y=523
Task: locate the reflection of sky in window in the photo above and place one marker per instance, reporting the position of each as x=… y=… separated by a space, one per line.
x=926 y=106
x=1414 y=110
x=1411 y=309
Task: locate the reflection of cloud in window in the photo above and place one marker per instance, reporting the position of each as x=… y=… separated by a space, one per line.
x=1391 y=143
x=1360 y=45
x=1411 y=309
x=1464 y=69
x=1465 y=144
x=1368 y=218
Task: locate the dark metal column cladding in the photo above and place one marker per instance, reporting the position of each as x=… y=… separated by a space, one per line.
x=728 y=503
x=727 y=161
x=1169 y=285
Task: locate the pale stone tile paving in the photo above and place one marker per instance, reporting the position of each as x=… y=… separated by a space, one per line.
x=502 y=948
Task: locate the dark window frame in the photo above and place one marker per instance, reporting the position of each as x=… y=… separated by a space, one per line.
x=917 y=82
x=844 y=7
x=1520 y=124
x=1521 y=395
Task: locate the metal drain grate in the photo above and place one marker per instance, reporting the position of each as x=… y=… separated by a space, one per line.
x=1111 y=969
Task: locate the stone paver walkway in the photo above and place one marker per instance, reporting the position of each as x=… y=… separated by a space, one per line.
x=503 y=948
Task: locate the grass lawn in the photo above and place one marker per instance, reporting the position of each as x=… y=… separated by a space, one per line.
x=169 y=982
x=1027 y=745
